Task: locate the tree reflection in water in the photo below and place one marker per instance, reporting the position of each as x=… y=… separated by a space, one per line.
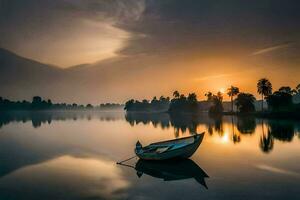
x=277 y=129
x=282 y=130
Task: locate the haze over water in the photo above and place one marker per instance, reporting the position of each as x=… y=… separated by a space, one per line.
x=73 y=155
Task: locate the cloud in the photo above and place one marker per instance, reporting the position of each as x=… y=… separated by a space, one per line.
x=271 y=49
x=211 y=77
x=68 y=32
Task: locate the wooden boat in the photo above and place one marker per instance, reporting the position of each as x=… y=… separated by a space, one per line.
x=170 y=149
x=171 y=170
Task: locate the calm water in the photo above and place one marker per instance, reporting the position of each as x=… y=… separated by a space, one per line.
x=69 y=155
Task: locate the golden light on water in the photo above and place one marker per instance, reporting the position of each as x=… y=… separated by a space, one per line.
x=225 y=138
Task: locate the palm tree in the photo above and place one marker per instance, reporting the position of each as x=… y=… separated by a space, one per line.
x=176 y=94
x=232 y=91
x=264 y=88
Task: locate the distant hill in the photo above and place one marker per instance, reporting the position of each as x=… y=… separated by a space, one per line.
x=14 y=67
x=20 y=76
x=105 y=81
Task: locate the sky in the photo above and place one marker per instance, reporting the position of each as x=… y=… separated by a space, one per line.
x=195 y=45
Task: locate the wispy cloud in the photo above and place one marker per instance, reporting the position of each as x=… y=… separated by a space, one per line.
x=272 y=48
x=211 y=77
x=277 y=170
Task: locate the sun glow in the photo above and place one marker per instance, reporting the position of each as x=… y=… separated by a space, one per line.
x=222 y=90
x=225 y=138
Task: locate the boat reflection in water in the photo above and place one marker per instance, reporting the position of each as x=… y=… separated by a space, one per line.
x=171 y=170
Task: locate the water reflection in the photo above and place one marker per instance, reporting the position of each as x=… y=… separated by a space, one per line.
x=172 y=170
x=66 y=177
x=72 y=155
x=46 y=117
x=246 y=124
x=282 y=130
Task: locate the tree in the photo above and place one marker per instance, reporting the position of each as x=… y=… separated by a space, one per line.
x=298 y=89
x=286 y=89
x=192 y=97
x=36 y=99
x=264 y=88
x=129 y=105
x=154 y=99
x=231 y=92
x=281 y=99
x=89 y=106
x=176 y=94
x=36 y=102
x=245 y=103
x=217 y=107
x=209 y=95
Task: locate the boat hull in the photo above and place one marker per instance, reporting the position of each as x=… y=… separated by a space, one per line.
x=180 y=153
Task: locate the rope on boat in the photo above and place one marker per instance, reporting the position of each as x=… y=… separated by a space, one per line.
x=119 y=163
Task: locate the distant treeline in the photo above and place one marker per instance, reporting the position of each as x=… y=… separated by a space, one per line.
x=38 y=103
x=179 y=103
x=155 y=105
x=280 y=101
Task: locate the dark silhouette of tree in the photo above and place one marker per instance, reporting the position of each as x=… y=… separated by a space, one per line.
x=37 y=103
x=264 y=88
x=231 y=92
x=297 y=89
x=217 y=101
x=286 y=89
x=154 y=105
x=89 y=106
x=245 y=103
x=281 y=99
x=209 y=96
x=176 y=94
x=192 y=97
x=184 y=104
x=129 y=104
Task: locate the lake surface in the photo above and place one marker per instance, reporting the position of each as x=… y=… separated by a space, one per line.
x=73 y=155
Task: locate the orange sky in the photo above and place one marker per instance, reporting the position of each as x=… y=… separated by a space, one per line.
x=138 y=49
